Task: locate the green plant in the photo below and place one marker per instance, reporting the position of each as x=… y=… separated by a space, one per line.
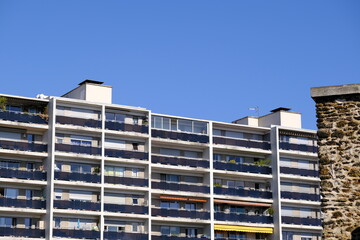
x=96 y=170
x=145 y=121
x=217 y=185
x=263 y=162
x=270 y=211
x=232 y=161
x=3 y=102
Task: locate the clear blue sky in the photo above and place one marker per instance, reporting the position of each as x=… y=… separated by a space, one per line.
x=196 y=58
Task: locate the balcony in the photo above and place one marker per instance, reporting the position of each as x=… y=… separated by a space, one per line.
x=72 y=233
x=126 y=154
x=301 y=221
x=180 y=187
x=23 y=146
x=125 y=235
x=238 y=217
x=237 y=167
x=77 y=205
x=126 y=208
x=180 y=136
x=178 y=161
x=298 y=147
x=77 y=149
x=139 y=182
x=22 y=203
x=78 y=177
x=22 y=117
x=153 y=237
x=243 y=192
x=92 y=123
x=178 y=213
x=300 y=172
x=22 y=174
x=22 y=232
x=300 y=196
x=118 y=126
x=242 y=143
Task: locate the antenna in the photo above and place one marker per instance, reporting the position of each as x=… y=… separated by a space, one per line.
x=256 y=109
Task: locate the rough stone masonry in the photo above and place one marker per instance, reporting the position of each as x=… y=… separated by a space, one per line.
x=338 y=121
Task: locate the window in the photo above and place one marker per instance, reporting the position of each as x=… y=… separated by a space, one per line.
x=171 y=152
x=185 y=125
x=173 y=205
x=135 y=200
x=191 y=232
x=217 y=157
x=170 y=178
x=114 y=171
x=114 y=144
x=135 y=172
x=135 y=227
x=31 y=138
x=135 y=120
x=13 y=108
x=29 y=166
x=77 y=168
x=190 y=206
x=58 y=194
x=6 y=222
x=27 y=222
x=80 y=195
x=230 y=184
x=135 y=146
x=11 y=193
x=179 y=125
x=28 y=194
x=115 y=117
x=15 y=165
x=191 y=179
x=57 y=222
x=167 y=230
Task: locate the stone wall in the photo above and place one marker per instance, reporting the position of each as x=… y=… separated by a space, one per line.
x=339 y=154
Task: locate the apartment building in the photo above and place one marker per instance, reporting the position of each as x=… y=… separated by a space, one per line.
x=81 y=167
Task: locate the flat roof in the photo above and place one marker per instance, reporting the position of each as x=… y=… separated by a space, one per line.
x=336 y=90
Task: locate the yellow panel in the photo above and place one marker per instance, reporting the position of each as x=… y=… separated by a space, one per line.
x=243 y=229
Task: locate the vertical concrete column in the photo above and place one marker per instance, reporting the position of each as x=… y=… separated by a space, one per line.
x=338 y=121
x=50 y=162
x=149 y=176
x=211 y=162
x=102 y=172
x=275 y=185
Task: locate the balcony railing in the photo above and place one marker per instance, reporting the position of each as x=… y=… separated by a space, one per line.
x=125 y=235
x=242 y=192
x=180 y=136
x=23 y=146
x=242 y=143
x=92 y=123
x=238 y=217
x=300 y=196
x=77 y=205
x=74 y=233
x=77 y=149
x=298 y=147
x=180 y=187
x=154 y=237
x=22 y=117
x=179 y=161
x=178 y=213
x=242 y=167
x=126 y=154
x=299 y=171
x=117 y=126
x=22 y=232
x=126 y=208
x=240 y=238
x=79 y=177
x=22 y=174
x=139 y=182
x=22 y=203
x=301 y=221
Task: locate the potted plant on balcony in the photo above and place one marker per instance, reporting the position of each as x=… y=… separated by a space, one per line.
x=96 y=170
x=263 y=162
x=3 y=102
x=233 y=161
x=270 y=211
x=217 y=185
x=145 y=121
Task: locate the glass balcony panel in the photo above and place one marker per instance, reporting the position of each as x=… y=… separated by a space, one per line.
x=22 y=232
x=176 y=161
x=77 y=205
x=301 y=221
x=126 y=154
x=153 y=237
x=238 y=167
x=126 y=208
x=23 y=146
x=180 y=136
x=299 y=171
x=242 y=192
x=298 y=147
x=76 y=233
x=22 y=117
x=125 y=235
x=118 y=126
x=20 y=174
x=78 y=121
x=300 y=196
x=178 y=213
x=77 y=149
x=180 y=187
x=22 y=203
x=140 y=182
x=238 y=217
x=242 y=143
x=81 y=177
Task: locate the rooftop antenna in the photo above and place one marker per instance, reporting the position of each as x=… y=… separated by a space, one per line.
x=256 y=109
